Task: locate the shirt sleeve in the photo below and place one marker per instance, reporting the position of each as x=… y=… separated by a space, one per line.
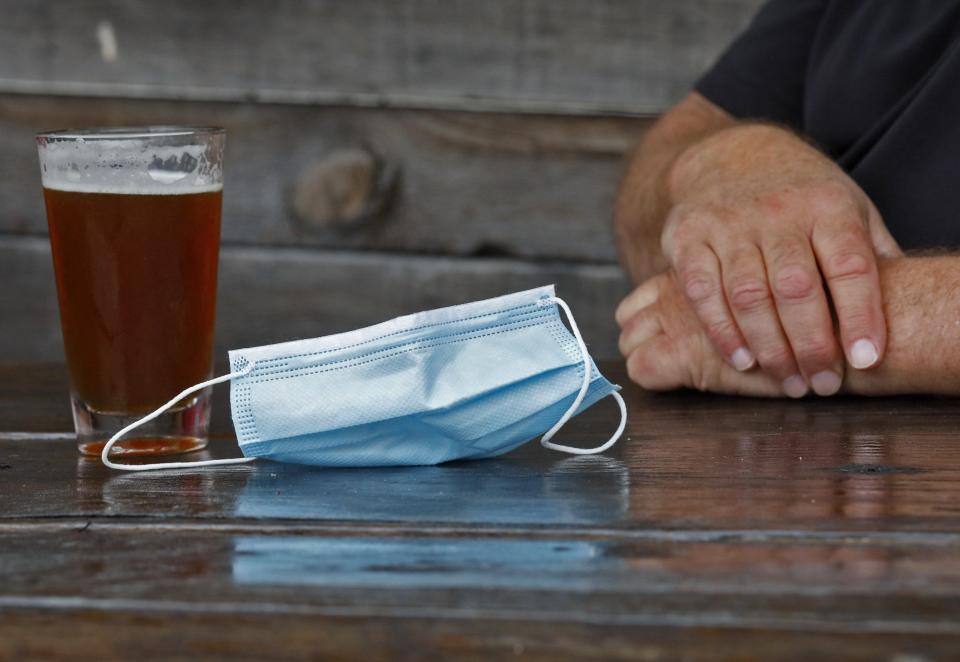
x=762 y=73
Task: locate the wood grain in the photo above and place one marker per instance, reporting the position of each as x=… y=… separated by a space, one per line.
x=128 y=631
x=813 y=586
x=272 y=295
x=688 y=463
x=467 y=184
x=631 y=56
x=720 y=528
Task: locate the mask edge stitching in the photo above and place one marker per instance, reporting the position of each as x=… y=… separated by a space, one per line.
x=394 y=333
x=413 y=343
x=455 y=339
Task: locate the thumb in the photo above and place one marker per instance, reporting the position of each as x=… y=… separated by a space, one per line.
x=883 y=242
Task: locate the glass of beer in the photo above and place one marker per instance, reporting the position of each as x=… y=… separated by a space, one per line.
x=134 y=219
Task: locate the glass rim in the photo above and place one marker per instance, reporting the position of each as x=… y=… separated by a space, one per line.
x=130 y=132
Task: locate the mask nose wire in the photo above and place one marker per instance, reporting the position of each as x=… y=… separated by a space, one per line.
x=105 y=453
x=584 y=387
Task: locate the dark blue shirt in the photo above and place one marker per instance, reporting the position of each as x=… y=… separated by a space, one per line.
x=875 y=84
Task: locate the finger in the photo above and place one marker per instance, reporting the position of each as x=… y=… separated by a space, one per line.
x=642 y=296
x=638 y=329
x=656 y=366
x=748 y=295
x=849 y=265
x=754 y=384
x=660 y=364
x=884 y=245
x=698 y=270
x=804 y=311
x=883 y=242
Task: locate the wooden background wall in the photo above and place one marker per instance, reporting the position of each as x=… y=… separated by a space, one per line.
x=384 y=156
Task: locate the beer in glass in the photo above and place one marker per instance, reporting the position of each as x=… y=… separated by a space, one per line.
x=134 y=220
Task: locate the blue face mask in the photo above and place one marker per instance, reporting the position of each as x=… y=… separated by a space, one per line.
x=464 y=382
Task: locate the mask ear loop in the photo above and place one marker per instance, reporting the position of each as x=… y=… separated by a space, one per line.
x=105 y=453
x=584 y=387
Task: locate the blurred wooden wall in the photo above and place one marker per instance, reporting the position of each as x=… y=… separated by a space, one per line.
x=384 y=156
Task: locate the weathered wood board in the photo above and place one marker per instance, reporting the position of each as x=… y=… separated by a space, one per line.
x=834 y=588
x=629 y=56
x=718 y=527
x=490 y=130
x=690 y=468
x=77 y=629
x=466 y=183
x=272 y=295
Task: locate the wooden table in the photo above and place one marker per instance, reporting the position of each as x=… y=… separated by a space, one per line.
x=719 y=527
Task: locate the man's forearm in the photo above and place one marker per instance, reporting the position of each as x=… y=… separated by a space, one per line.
x=642 y=205
x=679 y=157
x=921 y=297
x=644 y=201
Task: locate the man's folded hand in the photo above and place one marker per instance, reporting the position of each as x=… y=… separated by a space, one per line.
x=667 y=348
x=769 y=240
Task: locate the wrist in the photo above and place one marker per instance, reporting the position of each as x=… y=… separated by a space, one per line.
x=729 y=151
x=922 y=326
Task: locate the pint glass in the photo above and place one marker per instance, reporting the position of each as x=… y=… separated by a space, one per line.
x=134 y=219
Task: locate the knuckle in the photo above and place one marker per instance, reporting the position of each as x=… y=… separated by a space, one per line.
x=699 y=285
x=620 y=314
x=676 y=236
x=641 y=371
x=632 y=334
x=668 y=240
x=794 y=283
x=675 y=245
x=775 y=203
x=847 y=263
x=830 y=198
x=688 y=220
x=699 y=214
x=792 y=203
x=748 y=294
x=722 y=332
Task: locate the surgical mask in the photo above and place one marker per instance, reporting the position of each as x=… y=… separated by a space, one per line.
x=465 y=382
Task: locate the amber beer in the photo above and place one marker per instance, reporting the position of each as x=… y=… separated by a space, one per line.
x=137 y=280
x=135 y=248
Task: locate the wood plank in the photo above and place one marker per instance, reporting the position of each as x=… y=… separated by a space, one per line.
x=462 y=183
x=720 y=527
x=593 y=590
x=126 y=632
x=598 y=581
x=632 y=56
x=273 y=295
x=690 y=466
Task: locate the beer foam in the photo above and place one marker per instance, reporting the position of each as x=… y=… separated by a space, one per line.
x=129 y=167
x=67 y=187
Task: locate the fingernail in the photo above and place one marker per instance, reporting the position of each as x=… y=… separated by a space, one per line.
x=825 y=383
x=863 y=354
x=742 y=359
x=795 y=387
